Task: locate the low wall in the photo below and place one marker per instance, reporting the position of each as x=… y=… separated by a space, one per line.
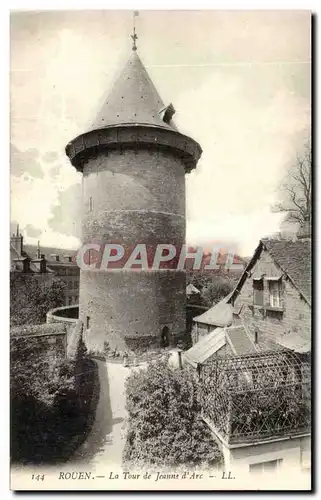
x=66 y=314
x=69 y=315
x=58 y=339
x=49 y=340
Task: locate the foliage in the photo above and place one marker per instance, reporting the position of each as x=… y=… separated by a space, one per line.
x=36 y=376
x=213 y=287
x=164 y=424
x=31 y=298
x=48 y=416
x=297 y=189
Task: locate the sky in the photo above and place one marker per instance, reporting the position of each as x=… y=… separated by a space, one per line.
x=239 y=81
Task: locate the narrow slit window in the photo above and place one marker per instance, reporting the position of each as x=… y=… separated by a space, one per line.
x=90 y=204
x=87 y=322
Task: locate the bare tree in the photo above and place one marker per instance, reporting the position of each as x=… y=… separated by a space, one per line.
x=297 y=189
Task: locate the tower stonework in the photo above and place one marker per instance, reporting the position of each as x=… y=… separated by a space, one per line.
x=133 y=161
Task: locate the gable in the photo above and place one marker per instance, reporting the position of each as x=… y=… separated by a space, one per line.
x=292 y=259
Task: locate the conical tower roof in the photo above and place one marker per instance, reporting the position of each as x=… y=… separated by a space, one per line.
x=133 y=99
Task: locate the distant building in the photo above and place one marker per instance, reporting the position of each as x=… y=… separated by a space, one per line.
x=45 y=264
x=67 y=270
x=193 y=294
x=23 y=262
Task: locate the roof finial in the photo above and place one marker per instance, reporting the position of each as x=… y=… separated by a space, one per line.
x=134 y=36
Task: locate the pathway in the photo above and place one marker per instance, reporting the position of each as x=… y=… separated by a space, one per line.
x=106 y=439
x=105 y=442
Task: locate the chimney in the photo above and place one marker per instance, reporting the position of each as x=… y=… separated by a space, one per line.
x=43 y=263
x=26 y=265
x=16 y=240
x=38 y=251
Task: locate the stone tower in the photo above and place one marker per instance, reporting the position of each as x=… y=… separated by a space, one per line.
x=133 y=161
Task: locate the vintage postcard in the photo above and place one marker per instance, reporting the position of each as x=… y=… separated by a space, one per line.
x=160 y=250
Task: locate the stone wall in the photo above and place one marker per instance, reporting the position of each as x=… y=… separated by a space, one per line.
x=296 y=314
x=133 y=196
x=51 y=340
x=134 y=180
x=55 y=340
x=122 y=306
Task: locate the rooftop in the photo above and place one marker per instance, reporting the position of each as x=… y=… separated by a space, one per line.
x=133 y=99
x=219 y=315
x=294 y=258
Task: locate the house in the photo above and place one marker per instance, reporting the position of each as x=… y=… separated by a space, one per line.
x=255 y=372
x=45 y=264
x=22 y=262
x=273 y=295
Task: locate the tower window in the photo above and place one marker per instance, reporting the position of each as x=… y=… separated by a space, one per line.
x=90 y=204
x=87 y=322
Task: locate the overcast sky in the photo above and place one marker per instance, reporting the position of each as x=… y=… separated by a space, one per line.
x=240 y=84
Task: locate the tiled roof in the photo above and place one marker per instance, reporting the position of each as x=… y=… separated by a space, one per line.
x=48 y=252
x=294 y=257
x=17 y=261
x=132 y=100
x=219 y=315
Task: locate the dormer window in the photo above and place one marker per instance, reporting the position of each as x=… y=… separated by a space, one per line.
x=167 y=113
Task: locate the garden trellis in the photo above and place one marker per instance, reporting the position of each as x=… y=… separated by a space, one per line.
x=253 y=397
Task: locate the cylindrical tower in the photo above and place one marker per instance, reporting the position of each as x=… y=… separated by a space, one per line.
x=133 y=161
